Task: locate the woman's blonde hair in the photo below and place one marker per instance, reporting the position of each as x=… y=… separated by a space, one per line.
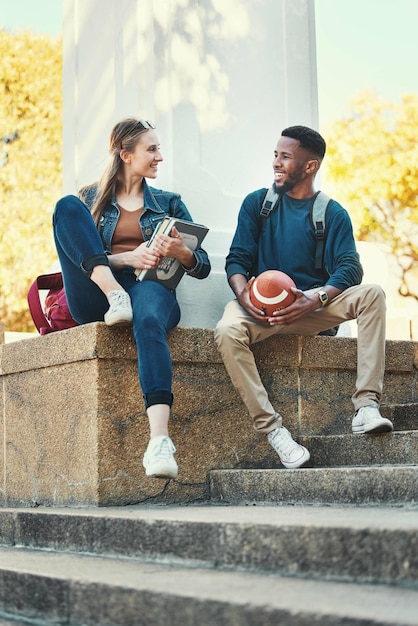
x=124 y=136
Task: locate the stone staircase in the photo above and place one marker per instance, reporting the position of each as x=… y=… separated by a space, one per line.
x=210 y=565
x=236 y=540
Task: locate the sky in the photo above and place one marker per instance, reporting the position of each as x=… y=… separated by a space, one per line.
x=365 y=44
x=361 y=44
x=41 y=16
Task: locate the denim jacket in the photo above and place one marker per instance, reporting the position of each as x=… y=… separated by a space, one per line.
x=157 y=204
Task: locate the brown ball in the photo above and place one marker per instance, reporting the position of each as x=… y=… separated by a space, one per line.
x=271 y=291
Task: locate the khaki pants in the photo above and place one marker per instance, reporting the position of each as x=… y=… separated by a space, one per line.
x=237 y=331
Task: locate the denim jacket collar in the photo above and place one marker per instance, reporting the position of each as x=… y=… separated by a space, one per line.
x=150 y=202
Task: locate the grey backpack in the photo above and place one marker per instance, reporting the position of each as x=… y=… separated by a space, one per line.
x=318 y=213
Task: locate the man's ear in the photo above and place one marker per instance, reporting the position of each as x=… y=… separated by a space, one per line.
x=312 y=166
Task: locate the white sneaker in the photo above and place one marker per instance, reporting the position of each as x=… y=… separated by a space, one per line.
x=367 y=419
x=159 y=460
x=120 y=310
x=292 y=455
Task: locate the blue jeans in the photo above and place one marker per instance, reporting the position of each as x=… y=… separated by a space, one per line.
x=155 y=308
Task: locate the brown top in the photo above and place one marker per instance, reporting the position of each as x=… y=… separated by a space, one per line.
x=128 y=234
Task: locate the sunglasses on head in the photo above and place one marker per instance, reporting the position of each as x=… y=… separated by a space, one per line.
x=146 y=124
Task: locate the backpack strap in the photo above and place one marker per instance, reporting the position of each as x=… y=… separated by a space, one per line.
x=319 y=209
x=270 y=203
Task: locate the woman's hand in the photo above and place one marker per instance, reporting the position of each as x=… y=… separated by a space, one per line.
x=173 y=246
x=141 y=258
x=144 y=258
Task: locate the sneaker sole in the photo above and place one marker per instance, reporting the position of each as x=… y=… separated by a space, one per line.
x=378 y=426
x=300 y=462
x=161 y=472
x=118 y=322
x=161 y=475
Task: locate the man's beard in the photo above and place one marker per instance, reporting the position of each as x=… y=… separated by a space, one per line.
x=282 y=189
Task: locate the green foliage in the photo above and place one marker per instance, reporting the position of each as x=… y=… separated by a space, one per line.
x=372 y=169
x=30 y=165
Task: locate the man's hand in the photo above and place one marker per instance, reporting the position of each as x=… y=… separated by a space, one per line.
x=303 y=305
x=242 y=290
x=305 y=302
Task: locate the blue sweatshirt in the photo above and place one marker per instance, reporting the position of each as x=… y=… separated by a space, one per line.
x=287 y=243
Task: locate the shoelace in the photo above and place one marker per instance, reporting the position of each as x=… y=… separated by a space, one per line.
x=165 y=448
x=368 y=413
x=120 y=299
x=286 y=443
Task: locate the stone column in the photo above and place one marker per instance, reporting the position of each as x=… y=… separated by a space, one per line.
x=220 y=79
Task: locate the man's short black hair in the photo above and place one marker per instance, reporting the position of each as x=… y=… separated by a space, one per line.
x=308 y=139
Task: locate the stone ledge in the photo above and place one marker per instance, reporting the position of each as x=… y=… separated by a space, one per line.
x=73 y=430
x=193 y=345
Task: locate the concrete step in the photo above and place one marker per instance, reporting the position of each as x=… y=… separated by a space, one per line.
x=367 y=544
x=60 y=588
x=403 y=416
x=12 y=621
x=210 y=565
x=396 y=448
x=345 y=485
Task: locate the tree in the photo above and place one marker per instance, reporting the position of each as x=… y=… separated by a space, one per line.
x=30 y=165
x=372 y=168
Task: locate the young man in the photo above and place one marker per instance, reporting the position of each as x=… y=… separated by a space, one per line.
x=325 y=297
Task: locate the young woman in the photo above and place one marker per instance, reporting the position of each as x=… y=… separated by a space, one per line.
x=101 y=238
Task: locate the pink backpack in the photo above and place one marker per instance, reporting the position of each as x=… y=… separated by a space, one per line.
x=56 y=314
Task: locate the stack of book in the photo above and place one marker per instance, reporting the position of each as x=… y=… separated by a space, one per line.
x=170 y=271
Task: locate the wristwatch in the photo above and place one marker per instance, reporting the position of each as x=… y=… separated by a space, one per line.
x=323 y=297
